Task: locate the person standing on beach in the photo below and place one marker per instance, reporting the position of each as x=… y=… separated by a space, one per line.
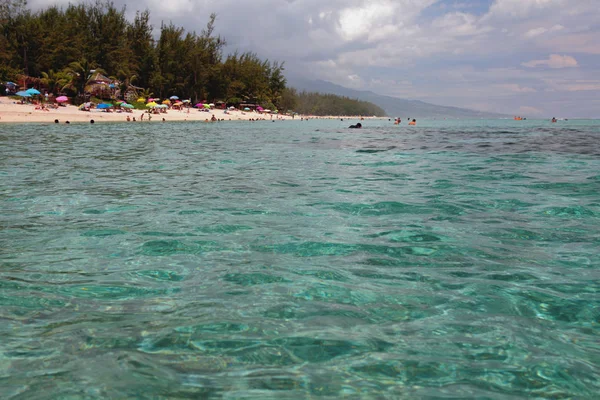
x=142 y=117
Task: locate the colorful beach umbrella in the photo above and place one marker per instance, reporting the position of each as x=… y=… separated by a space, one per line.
x=141 y=100
x=166 y=101
x=207 y=106
x=127 y=105
x=199 y=105
x=23 y=93
x=33 y=92
x=103 y=106
x=151 y=104
x=62 y=99
x=174 y=98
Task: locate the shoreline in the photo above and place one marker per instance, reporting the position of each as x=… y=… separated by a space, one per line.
x=13 y=112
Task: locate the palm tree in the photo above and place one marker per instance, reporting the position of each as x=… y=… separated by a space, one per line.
x=55 y=81
x=146 y=93
x=80 y=73
x=125 y=83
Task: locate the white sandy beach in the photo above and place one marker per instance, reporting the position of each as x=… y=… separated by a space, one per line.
x=13 y=112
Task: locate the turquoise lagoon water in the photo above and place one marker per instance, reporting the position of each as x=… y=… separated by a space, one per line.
x=457 y=259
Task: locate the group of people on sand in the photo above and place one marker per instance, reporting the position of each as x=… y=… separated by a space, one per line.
x=44 y=106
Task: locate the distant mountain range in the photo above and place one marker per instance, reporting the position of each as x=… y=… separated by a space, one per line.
x=393 y=106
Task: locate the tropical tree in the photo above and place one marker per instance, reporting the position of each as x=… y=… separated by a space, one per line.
x=146 y=93
x=80 y=73
x=64 y=46
x=126 y=82
x=143 y=60
x=55 y=81
x=288 y=100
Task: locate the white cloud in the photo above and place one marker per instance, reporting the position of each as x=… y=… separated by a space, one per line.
x=454 y=52
x=574 y=85
x=536 y=32
x=516 y=88
x=361 y=22
x=554 y=61
x=459 y=24
x=523 y=9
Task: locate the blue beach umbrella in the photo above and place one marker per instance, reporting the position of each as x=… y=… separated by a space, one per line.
x=23 y=94
x=103 y=106
x=174 y=98
x=33 y=92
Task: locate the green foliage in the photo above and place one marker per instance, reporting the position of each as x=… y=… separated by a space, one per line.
x=56 y=81
x=7 y=73
x=79 y=38
x=138 y=105
x=146 y=94
x=63 y=46
x=310 y=103
x=289 y=100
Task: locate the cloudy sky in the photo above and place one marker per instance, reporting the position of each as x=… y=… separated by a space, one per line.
x=531 y=57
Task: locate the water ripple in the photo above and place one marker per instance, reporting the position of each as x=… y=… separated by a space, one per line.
x=455 y=260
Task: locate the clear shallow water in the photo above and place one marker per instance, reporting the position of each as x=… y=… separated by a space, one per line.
x=300 y=260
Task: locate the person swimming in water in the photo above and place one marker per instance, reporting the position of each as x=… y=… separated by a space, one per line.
x=357 y=126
